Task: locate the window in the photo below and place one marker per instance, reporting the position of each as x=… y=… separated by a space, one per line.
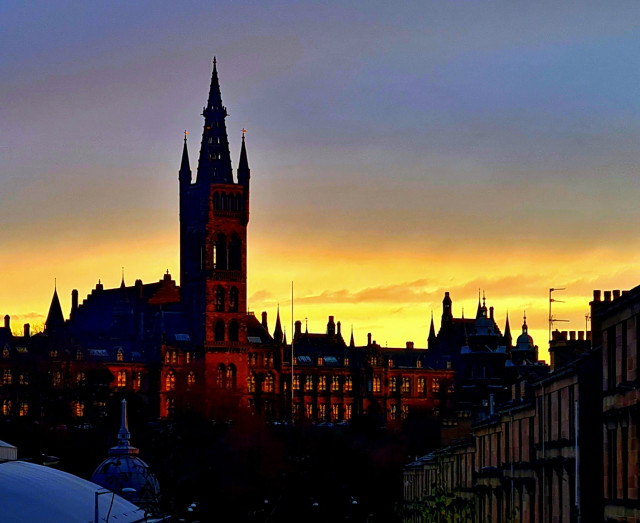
x=78 y=409
x=335 y=412
x=393 y=385
x=6 y=407
x=79 y=355
x=24 y=378
x=6 y=377
x=322 y=383
x=233 y=299
x=220 y=253
x=405 y=411
x=393 y=412
x=120 y=355
x=235 y=253
x=167 y=357
x=122 y=378
x=233 y=330
x=5 y=352
x=268 y=383
x=54 y=353
x=406 y=385
x=174 y=356
x=251 y=383
x=322 y=411
x=231 y=376
x=221 y=372
x=346 y=361
x=251 y=403
x=56 y=378
x=377 y=384
x=335 y=384
x=296 y=383
x=435 y=385
x=420 y=388
x=188 y=357
x=218 y=334
x=170 y=381
x=171 y=406
x=348 y=384
x=219 y=299
x=347 y=412
x=296 y=410
x=253 y=358
x=24 y=409
x=137 y=380
x=80 y=378
x=308 y=383
x=308 y=410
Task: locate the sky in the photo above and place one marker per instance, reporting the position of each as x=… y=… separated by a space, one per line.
x=398 y=150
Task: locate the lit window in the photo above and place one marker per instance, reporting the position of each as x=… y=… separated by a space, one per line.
x=391 y=363
x=393 y=384
x=320 y=361
x=174 y=356
x=24 y=378
x=251 y=383
x=79 y=355
x=80 y=378
x=377 y=384
x=296 y=383
x=78 y=409
x=308 y=410
x=6 y=377
x=435 y=384
x=348 y=384
x=170 y=381
x=322 y=411
x=231 y=377
x=122 y=378
x=171 y=406
x=308 y=383
x=101 y=407
x=6 y=407
x=451 y=387
x=347 y=412
x=24 y=408
x=419 y=364
x=56 y=379
x=335 y=412
x=187 y=357
x=167 y=357
x=191 y=379
x=405 y=411
x=137 y=382
x=54 y=353
x=406 y=385
x=346 y=362
x=322 y=383
x=268 y=383
x=296 y=409
x=335 y=384
x=420 y=386
x=220 y=376
x=393 y=412
x=120 y=355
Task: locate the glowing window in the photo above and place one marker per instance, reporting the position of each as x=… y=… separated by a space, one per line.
x=296 y=383
x=6 y=377
x=335 y=412
x=170 y=381
x=322 y=411
x=420 y=386
x=308 y=410
x=377 y=384
x=406 y=385
x=322 y=383
x=5 y=353
x=393 y=412
x=393 y=384
x=335 y=384
x=56 y=378
x=24 y=408
x=405 y=411
x=435 y=384
x=6 y=407
x=122 y=378
x=348 y=384
x=191 y=379
x=120 y=355
x=268 y=383
x=308 y=383
x=78 y=409
x=80 y=378
x=251 y=383
x=231 y=377
x=347 y=412
x=24 y=378
x=220 y=376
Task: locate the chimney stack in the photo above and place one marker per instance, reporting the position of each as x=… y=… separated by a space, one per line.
x=409 y=345
x=298 y=326
x=369 y=339
x=616 y=294
x=27 y=330
x=7 y=322
x=597 y=295
x=607 y=295
x=74 y=302
x=264 y=321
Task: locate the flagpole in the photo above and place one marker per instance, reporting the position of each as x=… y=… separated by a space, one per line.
x=292 y=360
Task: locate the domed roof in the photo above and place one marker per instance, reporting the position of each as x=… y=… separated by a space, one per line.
x=524 y=342
x=124 y=472
x=30 y=492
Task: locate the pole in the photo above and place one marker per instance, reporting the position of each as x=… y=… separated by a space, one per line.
x=292 y=360
x=577 y=480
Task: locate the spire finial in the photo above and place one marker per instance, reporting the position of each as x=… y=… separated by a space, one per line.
x=186 y=133
x=243 y=133
x=214 y=62
x=55 y=284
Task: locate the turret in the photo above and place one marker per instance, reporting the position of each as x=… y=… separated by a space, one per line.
x=55 y=319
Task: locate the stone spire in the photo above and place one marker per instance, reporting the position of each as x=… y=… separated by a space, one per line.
x=124 y=436
x=214 y=164
x=184 y=174
x=352 y=342
x=244 y=173
x=55 y=319
x=507 y=331
x=277 y=333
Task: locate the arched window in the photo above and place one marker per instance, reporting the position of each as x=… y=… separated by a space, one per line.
x=171 y=407
x=219 y=301
x=170 y=381
x=220 y=252
x=233 y=299
x=80 y=378
x=231 y=376
x=78 y=409
x=218 y=334
x=267 y=384
x=238 y=202
x=235 y=260
x=122 y=378
x=120 y=355
x=251 y=383
x=233 y=331
x=225 y=202
x=216 y=201
x=191 y=378
x=220 y=376
x=24 y=408
x=6 y=407
x=6 y=377
x=167 y=357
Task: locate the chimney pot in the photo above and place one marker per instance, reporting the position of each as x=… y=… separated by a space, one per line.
x=368 y=338
x=580 y=335
x=607 y=295
x=27 y=330
x=572 y=335
x=409 y=345
x=298 y=326
x=7 y=322
x=264 y=320
x=597 y=295
x=616 y=294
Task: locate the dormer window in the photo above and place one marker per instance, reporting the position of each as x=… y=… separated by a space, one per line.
x=120 y=355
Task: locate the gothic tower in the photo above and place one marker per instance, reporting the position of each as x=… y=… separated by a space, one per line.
x=214 y=213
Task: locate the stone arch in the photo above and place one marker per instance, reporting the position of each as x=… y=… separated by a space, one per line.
x=218 y=331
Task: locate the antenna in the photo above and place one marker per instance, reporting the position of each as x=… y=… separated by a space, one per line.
x=553 y=320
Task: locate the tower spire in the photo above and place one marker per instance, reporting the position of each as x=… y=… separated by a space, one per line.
x=277 y=333
x=55 y=319
x=214 y=164
x=352 y=342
